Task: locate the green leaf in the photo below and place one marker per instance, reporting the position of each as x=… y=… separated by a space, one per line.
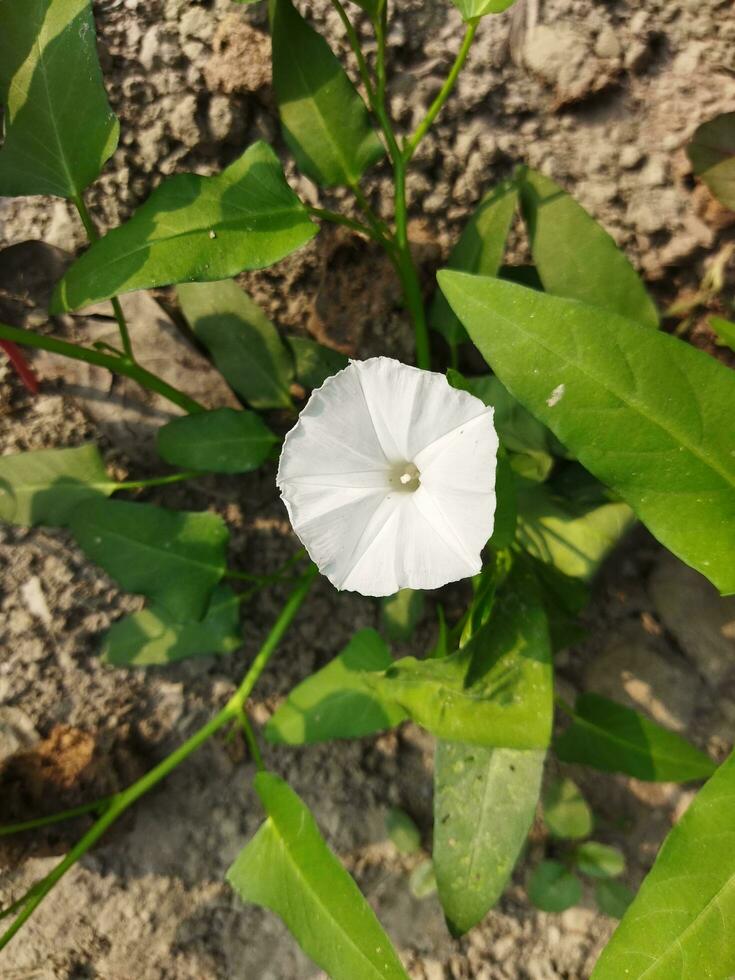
x=563 y=597
x=712 y=154
x=681 y=922
x=288 y=868
x=481 y=246
x=194 y=228
x=495 y=691
x=613 y=738
x=400 y=614
x=402 y=831
x=152 y=636
x=724 y=331
x=484 y=804
x=220 y=441
x=336 y=701
x=470 y=9
x=325 y=122
x=174 y=558
x=647 y=414
x=59 y=128
x=613 y=897
x=244 y=344
x=422 y=880
x=506 y=508
x=575 y=257
x=599 y=860
x=44 y=487
x=552 y=888
x=315 y=362
x=575 y=538
x=566 y=812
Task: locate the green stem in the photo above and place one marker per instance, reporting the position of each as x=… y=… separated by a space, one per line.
x=120 y=802
x=93 y=236
x=340 y=219
x=357 y=50
x=157 y=481
x=75 y=811
x=436 y=106
x=252 y=741
x=119 y=365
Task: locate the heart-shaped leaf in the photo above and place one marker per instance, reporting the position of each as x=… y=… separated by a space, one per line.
x=712 y=153
x=220 y=441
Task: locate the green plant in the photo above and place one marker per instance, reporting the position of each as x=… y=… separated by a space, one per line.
x=601 y=419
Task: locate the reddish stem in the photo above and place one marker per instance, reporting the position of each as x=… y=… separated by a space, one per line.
x=25 y=373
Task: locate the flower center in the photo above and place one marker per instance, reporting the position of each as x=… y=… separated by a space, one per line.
x=406 y=477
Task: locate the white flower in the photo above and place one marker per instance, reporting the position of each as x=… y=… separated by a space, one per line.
x=389 y=478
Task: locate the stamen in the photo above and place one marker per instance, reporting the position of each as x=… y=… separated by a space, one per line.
x=406 y=477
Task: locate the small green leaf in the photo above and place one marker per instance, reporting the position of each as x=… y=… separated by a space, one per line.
x=712 y=154
x=495 y=691
x=724 y=331
x=44 y=487
x=402 y=831
x=613 y=897
x=220 y=441
x=566 y=812
x=422 y=880
x=506 y=507
x=575 y=257
x=315 y=362
x=336 y=701
x=484 y=804
x=174 y=558
x=244 y=344
x=59 y=128
x=599 y=860
x=400 y=613
x=574 y=538
x=613 y=738
x=152 y=637
x=470 y=9
x=681 y=922
x=552 y=888
x=647 y=414
x=288 y=868
x=194 y=229
x=324 y=120
x=481 y=246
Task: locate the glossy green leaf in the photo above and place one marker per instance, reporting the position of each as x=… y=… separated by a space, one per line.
x=194 y=229
x=613 y=897
x=566 y=812
x=288 y=868
x=45 y=486
x=152 y=636
x=599 y=860
x=681 y=922
x=244 y=344
x=506 y=506
x=337 y=701
x=402 y=831
x=315 y=362
x=563 y=598
x=324 y=120
x=175 y=558
x=712 y=154
x=481 y=246
x=59 y=128
x=575 y=257
x=484 y=805
x=611 y=737
x=644 y=412
x=574 y=538
x=400 y=613
x=480 y=8
x=495 y=691
x=220 y=441
x=552 y=888
x=724 y=331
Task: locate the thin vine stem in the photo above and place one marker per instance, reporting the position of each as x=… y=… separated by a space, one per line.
x=323 y=214
x=356 y=49
x=120 y=802
x=75 y=811
x=436 y=106
x=113 y=363
x=157 y=481
x=93 y=236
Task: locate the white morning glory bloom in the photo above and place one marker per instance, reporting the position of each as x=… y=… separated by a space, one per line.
x=389 y=478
